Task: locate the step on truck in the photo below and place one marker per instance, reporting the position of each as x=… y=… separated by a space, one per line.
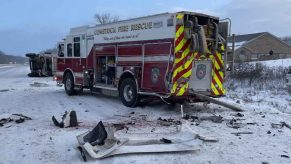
x=172 y=56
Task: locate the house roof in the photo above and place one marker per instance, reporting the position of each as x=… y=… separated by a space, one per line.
x=248 y=41
x=246 y=37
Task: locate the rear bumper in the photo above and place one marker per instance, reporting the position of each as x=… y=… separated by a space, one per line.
x=191 y=97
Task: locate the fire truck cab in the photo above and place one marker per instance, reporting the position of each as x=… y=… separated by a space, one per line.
x=171 y=56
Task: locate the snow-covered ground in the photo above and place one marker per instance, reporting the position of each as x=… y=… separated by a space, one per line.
x=39 y=141
x=6 y=66
x=276 y=63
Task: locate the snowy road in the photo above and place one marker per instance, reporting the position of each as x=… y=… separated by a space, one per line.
x=39 y=141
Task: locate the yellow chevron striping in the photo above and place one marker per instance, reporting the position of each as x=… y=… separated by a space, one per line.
x=180 y=16
x=179 y=31
x=218 y=82
x=185 y=53
x=187 y=74
x=183 y=90
x=180 y=45
x=179 y=69
x=214 y=90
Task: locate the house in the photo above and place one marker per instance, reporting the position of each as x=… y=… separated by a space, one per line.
x=257 y=47
x=287 y=40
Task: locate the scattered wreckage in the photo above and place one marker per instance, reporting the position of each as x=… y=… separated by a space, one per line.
x=137 y=134
x=18 y=118
x=69 y=119
x=123 y=137
x=102 y=142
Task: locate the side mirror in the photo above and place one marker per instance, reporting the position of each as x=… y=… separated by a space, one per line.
x=223 y=29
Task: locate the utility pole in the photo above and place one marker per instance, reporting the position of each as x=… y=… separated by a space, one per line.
x=233 y=53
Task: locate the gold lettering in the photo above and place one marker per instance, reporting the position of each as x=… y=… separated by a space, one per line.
x=141 y=26
x=123 y=29
x=105 y=31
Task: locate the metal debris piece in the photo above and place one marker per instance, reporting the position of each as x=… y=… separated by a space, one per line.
x=20 y=120
x=285 y=156
x=215 y=119
x=239 y=133
x=9 y=118
x=23 y=116
x=239 y=115
x=164 y=140
x=82 y=153
x=4 y=121
x=97 y=136
x=69 y=119
x=168 y=122
x=180 y=141
x=281 y=125
x=37 y=84
x=4 y=90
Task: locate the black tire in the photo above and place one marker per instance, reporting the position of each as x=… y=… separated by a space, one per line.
x=128 y=93
x=69 y=84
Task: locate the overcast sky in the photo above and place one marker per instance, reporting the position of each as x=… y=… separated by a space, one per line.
x=34 y=25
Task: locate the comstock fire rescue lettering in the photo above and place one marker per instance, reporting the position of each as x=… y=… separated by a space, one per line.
x=133 y=27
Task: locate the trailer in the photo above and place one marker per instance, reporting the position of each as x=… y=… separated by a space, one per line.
x=177 y=57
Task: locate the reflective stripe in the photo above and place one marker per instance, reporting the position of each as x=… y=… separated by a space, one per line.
x=76 y=74
x=130 y=58
x=156 y=58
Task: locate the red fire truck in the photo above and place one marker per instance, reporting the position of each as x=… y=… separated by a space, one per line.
x=172 y=56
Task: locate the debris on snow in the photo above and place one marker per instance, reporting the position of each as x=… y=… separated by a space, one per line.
x=215 y=119
x=285 y=156
x=23 y=116
x=281 y=125
x=97 y=136
x=82 y=153
x=166 y=140
x=114 y=145
x=239 y=133
x=238 y=115
x=18 y=118
x=37 y=84
x=168 y=122
x=4 y=90
x=69 y=119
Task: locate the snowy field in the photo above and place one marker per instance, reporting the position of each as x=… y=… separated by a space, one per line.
x=276 y=63
x=39 y=141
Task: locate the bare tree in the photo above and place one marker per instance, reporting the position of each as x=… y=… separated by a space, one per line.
x=105 y=18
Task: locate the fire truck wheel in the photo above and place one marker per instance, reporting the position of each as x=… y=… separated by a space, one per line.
x=69 y=84
x=128 y=92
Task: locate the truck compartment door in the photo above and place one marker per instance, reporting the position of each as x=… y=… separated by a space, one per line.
x=200 y=79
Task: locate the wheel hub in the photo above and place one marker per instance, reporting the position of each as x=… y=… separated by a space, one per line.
x=128 y=93
x=68 y=84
